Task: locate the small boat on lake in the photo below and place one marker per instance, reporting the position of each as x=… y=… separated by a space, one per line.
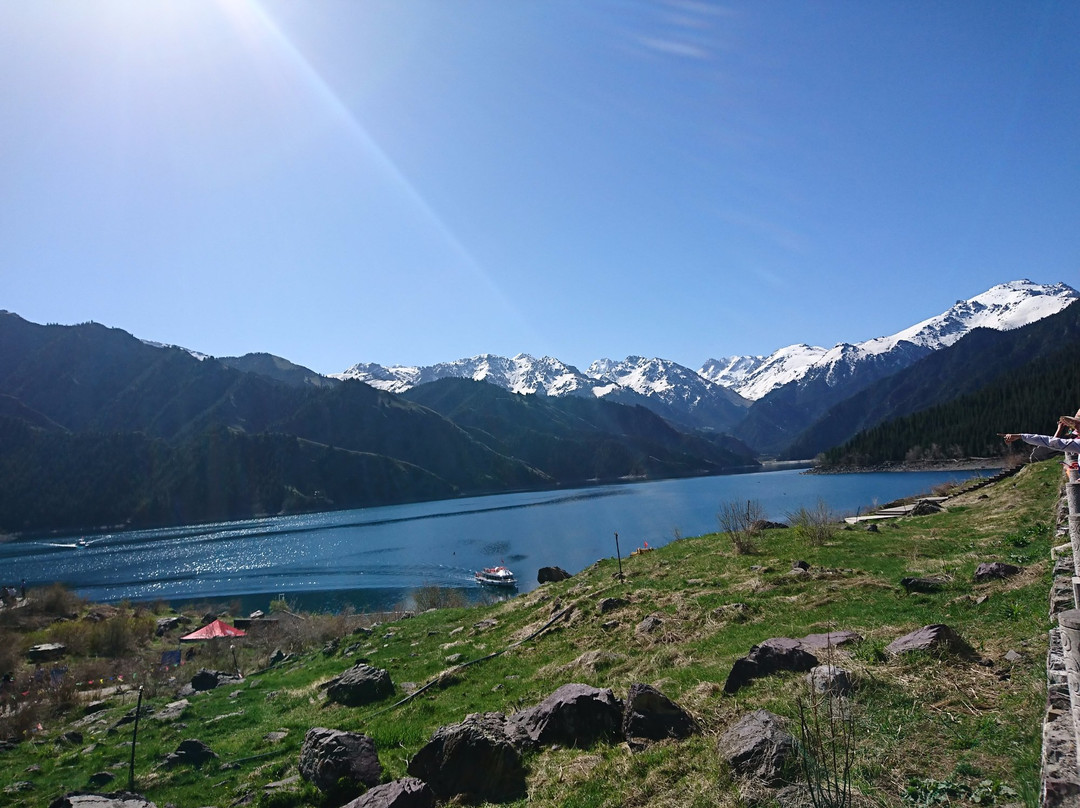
x=495 y=576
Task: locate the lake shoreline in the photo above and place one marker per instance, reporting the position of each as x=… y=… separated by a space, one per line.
x=967 y=464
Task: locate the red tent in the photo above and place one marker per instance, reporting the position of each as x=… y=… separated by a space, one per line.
x=211 y=630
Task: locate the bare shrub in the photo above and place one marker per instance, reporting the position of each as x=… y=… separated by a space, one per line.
x=739 y=522
x=56 y=600
x=438 y=597
x=816 y=525
x=827 y=748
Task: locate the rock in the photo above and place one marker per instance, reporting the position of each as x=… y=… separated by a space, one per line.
x=99 y=779
x=551 y=574
x=832 y=639
x=758 y=746
x=926 y=585
x=574 y=715
x=937 y=637
x=765 y=524
x=648 y=713
x=775 y=654
x=409 y=792
x=475 y=759
x=925 y=507
x=1013 y=657
x=172 y=711
x=800 y=565
x=208 y=680
x=829 y=679
x=872 y=528
x=69 y=738
x=361 y=684
x=650 y=624
x=46 y=652
x=611 y=604
x=190 y=752
x=17 y=786
x=329 y=756
x=167 y=624
x=995 y=569
x=118 y=799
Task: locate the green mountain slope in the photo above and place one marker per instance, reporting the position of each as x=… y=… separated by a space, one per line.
x=982 y=360
x=577 y=439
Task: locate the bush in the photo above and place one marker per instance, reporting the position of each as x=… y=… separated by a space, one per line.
x=816 y=526
x=438 y=597
x=740 y=524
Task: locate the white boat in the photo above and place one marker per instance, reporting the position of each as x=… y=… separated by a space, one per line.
x=495 y=576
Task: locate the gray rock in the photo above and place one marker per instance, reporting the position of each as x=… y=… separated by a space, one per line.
x=172 y=711
x=118 y=799
x=409 y=792
x=831 y=639
x=329 y=756
x=551 y=574
x=758 y=746
x=359 y=685
x=925 y=585
x=99 y=779
x=574 y=715
x=190 y=752
x=650 y=624
x=774 y=654
x=648 y=713
x=208 y=680
x=611 y=604
x=995 y=569
x=937 y=637
x=800 y=565
x=46 y=652
x=829 y=679
x=475 y=759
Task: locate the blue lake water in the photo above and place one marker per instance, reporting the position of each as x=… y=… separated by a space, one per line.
x=372 y=558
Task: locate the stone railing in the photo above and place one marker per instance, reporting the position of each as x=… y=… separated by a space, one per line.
x=1061 y=728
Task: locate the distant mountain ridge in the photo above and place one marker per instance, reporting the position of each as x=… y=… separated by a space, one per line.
x=99 y=428
x=766 y=401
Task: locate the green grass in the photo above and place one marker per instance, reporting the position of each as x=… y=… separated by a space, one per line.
x=928 y=728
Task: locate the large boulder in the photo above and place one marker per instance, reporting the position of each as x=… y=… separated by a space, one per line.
x=190 y=752
x=551 y=574
x=408 y=792
x=208 y=680
x=359 y=685
x=574 y=715
x=775 y=654
x=46 y=652
x=474 y=759
x=936 y=638
x=117 y=799
x=996 y=569
x=330 y=755
x=648 y=713
x=758 y=746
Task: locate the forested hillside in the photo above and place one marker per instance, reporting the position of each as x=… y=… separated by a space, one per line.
x=101 y=429
x=1021 y=372
x=1028 y=399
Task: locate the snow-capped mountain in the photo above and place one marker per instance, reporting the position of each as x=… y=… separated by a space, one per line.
x=1003 y=307
x=790 y=402
x=521 y=374
x=784 y=391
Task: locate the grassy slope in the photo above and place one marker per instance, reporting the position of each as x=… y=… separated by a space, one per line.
x=944 y=721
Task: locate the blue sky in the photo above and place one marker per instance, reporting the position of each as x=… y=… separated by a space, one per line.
x=409 y=181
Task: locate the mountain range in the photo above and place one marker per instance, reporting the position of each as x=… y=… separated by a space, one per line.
x=101 y=428
x=767 y=402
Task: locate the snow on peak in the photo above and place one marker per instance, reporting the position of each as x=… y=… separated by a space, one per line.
x=521 y=374
x=1002 y=307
